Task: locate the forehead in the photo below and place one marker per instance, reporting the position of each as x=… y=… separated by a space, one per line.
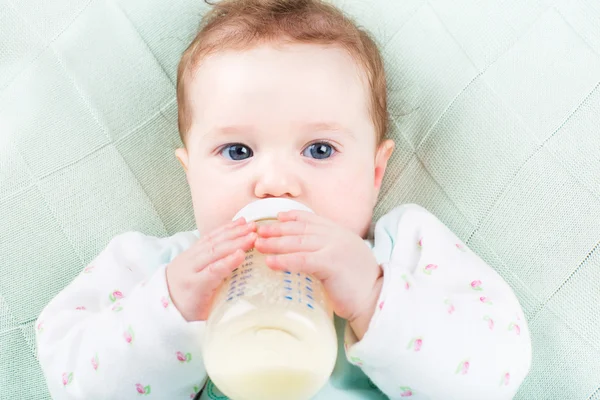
x=279 y=83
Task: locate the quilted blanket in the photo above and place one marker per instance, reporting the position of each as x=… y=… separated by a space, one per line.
x=495 y=109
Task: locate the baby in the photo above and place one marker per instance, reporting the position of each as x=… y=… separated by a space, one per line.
x=287 y=98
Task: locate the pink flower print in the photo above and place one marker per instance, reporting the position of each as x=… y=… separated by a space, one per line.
x=505 y=379
x=117 y=307
x=356 y=361
x=450 y=307
x=129 y=335
x=420 y=243
x=116 y=295
x=381 y=305
x=164 y=301
x=406 y=391
x=187 y=357
x=80 y=308
x=406 y=282
x=476 y=285
x=485 y=300
x=490 y=321
x=89 y=269
x=514 y=327
x=463 y=367
x=415 y=344
x=67 y=379
x=40 y=327
x=461 y=247
x=95 y=362
x=141 y=389
x=195 y=392
x=429 y=269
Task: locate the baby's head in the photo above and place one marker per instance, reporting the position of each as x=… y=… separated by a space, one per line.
x=282 y=98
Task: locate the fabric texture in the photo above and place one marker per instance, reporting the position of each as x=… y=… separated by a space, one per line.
x=464 y=327
x=446 y=325
x=495 y=111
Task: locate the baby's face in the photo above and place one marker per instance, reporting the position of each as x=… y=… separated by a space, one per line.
x=282 y=121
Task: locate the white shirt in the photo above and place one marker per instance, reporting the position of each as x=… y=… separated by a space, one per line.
x=446 y=326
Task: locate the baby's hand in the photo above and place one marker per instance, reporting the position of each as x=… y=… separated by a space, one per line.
x=195 y=275
x=305 y=242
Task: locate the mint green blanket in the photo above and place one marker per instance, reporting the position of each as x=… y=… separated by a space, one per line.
x=496 y=116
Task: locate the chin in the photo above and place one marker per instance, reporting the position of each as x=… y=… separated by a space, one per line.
x=364 y=231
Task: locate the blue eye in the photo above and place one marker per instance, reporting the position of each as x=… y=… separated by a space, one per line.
x=236 y=152
x=319 y=151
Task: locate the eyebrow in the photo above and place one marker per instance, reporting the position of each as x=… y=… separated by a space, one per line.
x=327 y=126
x=306 y=127
x=231 y=129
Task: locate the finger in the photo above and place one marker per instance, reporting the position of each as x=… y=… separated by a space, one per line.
x=288 y=244
x=288 y=228
x=237 y=222
x=306 y=262
x=213 y=275
x=234 y=232
x=305 y=216
x=214 y=251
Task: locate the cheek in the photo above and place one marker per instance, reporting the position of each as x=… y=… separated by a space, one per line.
x=358 y=181
x=213 y=203
x=350 y=200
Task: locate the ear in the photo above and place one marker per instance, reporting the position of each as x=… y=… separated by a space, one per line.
x=384 y=152
x=182 y=156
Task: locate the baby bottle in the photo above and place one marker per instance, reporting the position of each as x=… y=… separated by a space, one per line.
x=270 y=334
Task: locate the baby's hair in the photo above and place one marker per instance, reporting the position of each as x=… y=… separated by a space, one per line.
x=241 y=24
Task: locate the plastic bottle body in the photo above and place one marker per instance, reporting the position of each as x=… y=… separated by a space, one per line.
x=270 y=334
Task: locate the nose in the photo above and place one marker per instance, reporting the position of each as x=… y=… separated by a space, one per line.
x=276 y=178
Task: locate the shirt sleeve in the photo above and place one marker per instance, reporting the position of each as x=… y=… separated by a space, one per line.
x=113 y=332
x=446 y=324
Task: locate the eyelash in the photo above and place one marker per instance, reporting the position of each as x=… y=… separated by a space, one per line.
x=333 y=147
x=222 y=148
